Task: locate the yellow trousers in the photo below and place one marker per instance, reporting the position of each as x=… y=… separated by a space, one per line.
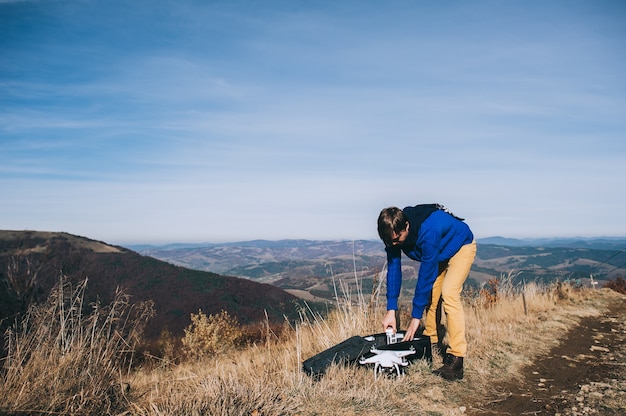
x=447 y=292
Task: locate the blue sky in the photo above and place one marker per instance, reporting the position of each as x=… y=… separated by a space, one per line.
x=213 y=121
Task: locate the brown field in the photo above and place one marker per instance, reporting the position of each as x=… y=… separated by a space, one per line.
x=79 y=364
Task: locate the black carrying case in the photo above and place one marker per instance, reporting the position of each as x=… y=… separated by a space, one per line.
x=351 y=350
x=346 y=352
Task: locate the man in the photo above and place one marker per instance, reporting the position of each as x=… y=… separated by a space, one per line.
x=445 y=247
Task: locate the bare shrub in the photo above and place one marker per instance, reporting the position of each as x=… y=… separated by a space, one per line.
x=22 y=277
x=566 y=291
x=166 y=348
x=489 y=292
x=618 y=284
x=495 y=290
x=61 y=361
x=213 y=334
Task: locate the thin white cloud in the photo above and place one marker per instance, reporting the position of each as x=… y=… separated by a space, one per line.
x=313 y=115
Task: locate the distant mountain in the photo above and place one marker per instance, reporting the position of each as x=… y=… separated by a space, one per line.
x=599 y=243
x=232 y=258
x=311 y=269
x=503 y=241
x=31 y=263
x=317 y=268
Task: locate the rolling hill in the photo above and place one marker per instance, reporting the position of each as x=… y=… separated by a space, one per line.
x=249 y=278
x=314 y=268
x=32 y=262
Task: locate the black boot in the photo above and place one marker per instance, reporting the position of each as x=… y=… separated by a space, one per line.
x=452 y=368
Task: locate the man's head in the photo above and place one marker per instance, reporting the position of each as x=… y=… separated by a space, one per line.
x=393 y=226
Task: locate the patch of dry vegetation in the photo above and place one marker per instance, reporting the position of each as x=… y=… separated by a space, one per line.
x=505 y=332
x=618 y=284
x=211 y=335
x=62 y=361
x=266 y=379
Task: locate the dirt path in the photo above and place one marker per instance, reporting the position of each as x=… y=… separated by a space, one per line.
x=584 y=375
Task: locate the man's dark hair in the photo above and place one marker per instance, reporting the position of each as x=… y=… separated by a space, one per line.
x=391 y=221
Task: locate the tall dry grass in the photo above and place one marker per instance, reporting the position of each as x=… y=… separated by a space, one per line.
x=504 y=333
x=61 y=360
x=266 y=379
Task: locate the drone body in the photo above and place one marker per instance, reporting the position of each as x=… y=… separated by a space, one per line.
x=387 y=360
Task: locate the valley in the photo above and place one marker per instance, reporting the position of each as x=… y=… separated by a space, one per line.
x=314 y=269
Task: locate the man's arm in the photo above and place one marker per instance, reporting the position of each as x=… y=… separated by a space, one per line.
x=394 y=277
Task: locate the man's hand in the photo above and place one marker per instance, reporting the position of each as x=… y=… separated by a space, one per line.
x=411 y=330
x=390 y=321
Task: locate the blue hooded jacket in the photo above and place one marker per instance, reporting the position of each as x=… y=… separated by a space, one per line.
x=434 y=236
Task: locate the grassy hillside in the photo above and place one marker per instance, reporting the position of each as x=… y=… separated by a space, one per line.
x=68 y=359
x=504 y=334
x=31 y=263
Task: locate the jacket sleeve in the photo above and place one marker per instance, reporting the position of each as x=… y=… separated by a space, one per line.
x=429 y=267
x=394 y=277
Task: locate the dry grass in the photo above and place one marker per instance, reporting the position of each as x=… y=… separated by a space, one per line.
x=266 y=379
x=61 y=361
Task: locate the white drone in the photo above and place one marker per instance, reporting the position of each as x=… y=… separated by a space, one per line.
x=387 y=360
